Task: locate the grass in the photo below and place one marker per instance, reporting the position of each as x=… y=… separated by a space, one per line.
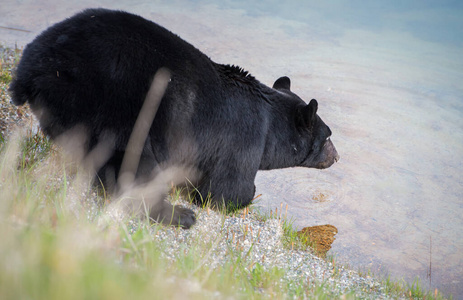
x=59 y=242
x=8 y=59
x=54 y=247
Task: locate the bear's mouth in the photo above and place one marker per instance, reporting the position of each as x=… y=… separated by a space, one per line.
x=328 y=163
x=329 y=154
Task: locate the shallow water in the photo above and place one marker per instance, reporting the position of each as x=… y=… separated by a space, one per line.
x=388 y=80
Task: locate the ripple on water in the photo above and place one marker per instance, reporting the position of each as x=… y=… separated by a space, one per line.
x=304 y=189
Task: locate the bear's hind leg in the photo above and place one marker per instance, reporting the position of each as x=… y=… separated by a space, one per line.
x=166 y=213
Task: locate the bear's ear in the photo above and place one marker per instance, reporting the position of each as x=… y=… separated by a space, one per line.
x=282 y=83
x=307 y=114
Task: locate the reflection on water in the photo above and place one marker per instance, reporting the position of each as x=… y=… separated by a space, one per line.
x=388 y=79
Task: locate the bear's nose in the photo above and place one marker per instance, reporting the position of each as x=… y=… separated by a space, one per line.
x=337 y=158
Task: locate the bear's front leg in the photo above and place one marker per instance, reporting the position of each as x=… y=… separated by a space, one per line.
x=227 y=192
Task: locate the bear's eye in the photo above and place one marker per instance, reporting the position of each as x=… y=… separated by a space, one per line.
x=327 y=139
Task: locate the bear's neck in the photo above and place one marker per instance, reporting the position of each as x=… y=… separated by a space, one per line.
x=281 y=141
x=274 y=121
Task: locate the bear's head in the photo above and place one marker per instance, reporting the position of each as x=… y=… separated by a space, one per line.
x=310 y=141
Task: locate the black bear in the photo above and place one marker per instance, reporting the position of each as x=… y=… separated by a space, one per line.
x=95 y=70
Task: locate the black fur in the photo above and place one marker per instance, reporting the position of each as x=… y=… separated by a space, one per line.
x=95 y=68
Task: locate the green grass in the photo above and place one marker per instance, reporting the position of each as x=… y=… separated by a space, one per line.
x=58 y=242
x=9 y=58
x=52 y=247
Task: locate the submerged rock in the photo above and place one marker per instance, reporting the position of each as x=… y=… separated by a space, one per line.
x=319 y=237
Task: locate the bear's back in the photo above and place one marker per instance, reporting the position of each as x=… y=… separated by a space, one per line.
x=103 y=60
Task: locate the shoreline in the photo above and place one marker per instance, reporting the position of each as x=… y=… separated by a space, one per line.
x=262 y=240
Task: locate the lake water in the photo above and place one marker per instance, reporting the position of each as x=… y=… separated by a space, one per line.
x=388 y=76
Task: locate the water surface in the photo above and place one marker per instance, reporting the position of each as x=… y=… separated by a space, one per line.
x=387 y=76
